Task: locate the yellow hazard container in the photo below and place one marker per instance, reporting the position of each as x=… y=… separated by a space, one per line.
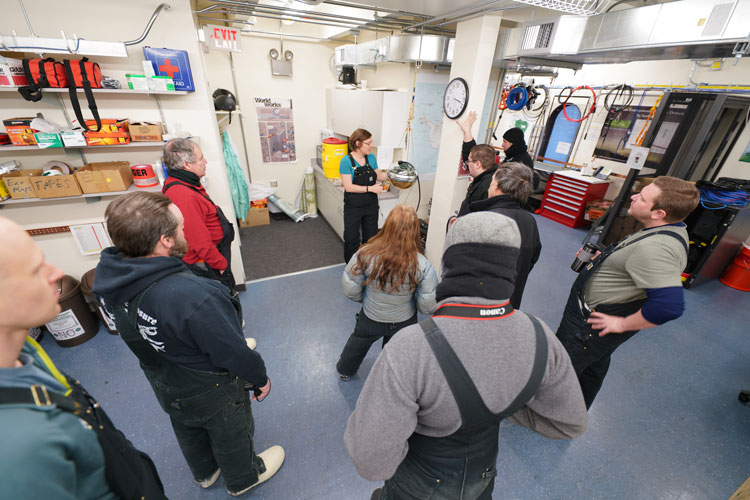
x=333 y=150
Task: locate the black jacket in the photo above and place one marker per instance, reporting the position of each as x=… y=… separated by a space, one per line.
x=520 y=154
x=531 y=245
x=189 y=320
x=477 y=190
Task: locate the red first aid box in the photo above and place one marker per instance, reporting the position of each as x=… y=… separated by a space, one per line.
x=11 y=73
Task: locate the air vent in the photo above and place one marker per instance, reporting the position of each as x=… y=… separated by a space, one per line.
x=537 y=36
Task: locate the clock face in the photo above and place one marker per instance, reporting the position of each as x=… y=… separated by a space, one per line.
x=456 y=98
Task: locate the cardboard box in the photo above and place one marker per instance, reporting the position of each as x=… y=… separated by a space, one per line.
x=18 y=183
x=20 y=131
x=11 y=73
x=48 y=140
x=112 y=132
x=73 y=138
x=56 y=186
x=105 y=177
x=145 y=132
x=256 y=217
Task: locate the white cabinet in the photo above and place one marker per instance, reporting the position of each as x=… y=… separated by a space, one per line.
x=383 y=113
x=331 y=201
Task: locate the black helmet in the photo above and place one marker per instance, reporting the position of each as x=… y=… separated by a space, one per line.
x=224 y=100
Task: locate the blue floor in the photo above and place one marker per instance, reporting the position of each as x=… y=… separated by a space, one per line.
x=666 y=425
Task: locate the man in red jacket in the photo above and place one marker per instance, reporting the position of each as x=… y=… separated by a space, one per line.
x=208 y=232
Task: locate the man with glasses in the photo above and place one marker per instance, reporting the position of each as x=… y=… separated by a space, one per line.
x=480 y=160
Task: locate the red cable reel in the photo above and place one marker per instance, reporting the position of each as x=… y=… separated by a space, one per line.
x=589 y=112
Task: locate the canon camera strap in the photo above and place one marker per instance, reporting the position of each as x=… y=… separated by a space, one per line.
x=475 y=311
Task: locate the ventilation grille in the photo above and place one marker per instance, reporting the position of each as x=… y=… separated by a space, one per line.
x=537 y=37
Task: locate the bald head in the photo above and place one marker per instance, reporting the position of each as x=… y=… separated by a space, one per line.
x=28 y=296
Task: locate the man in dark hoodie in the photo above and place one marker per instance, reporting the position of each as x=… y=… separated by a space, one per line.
x=427 y=419
x=208 y=232
x=481 y=162
x=186 y=332
x=509 y=191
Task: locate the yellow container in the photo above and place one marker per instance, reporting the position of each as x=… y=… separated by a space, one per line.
x=333 y=150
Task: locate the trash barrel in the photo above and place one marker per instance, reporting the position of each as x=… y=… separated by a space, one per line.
x=105 y=316
x=737 y=274
x=76 y=323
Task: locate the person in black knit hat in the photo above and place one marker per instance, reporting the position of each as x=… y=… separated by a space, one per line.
x=515 y=149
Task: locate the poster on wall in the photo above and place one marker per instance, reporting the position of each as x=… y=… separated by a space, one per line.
x=745 y=156
x=276 y=130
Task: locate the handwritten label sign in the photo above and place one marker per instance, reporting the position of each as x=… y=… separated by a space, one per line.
x=223 y=38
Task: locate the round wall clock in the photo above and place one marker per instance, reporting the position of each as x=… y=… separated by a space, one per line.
x=456 y=98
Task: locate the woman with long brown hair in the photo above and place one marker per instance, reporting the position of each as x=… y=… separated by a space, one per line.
x=393 y=279
x=362 y=183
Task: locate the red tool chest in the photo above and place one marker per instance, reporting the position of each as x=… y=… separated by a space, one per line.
x=567 y=194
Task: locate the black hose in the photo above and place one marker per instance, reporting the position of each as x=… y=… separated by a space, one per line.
x=619 y=92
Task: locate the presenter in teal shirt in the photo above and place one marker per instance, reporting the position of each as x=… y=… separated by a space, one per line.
x=362 y=183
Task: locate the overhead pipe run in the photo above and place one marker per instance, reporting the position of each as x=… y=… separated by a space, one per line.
x=378 y=23
x=149 y=25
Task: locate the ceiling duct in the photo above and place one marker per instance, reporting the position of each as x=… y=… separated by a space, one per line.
x=687 y=29
x=396 y=48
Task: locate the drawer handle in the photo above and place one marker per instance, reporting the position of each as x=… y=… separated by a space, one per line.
x=572 y=187
x=576 y=193
x=575 y=209
x=570 y=207
x=560 y=212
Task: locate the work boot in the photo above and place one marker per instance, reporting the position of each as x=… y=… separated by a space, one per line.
x=209 y=481
x=273 y=457
x=251 y=343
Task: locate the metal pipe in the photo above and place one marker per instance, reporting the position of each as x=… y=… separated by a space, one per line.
x=370 y=7
x=475 y=14
x=319 y=16
x=264 y=16
x=276 y=33
x=450 y=15
x=28 y=22
x=150 y=23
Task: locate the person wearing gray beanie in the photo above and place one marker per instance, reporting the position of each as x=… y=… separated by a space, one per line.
x=508 y=193
x=427 y=419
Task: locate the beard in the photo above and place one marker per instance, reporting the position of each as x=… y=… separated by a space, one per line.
x=180 y=248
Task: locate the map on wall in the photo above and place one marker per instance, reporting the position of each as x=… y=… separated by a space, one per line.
x=428 y=122
x=427 y=125
x=276 y=130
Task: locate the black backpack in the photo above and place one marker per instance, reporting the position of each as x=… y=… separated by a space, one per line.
x=130 y=473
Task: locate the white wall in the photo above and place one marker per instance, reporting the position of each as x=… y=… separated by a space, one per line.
x=306 y=88
x=112 y=21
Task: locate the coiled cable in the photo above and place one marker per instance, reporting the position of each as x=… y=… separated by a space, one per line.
x=722 y=199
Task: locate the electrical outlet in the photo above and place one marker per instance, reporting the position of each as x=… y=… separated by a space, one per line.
x=274 y=183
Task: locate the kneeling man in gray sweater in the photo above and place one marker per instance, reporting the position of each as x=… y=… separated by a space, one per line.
x=428 y=416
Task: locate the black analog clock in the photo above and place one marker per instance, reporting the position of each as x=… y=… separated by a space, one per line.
x=456 y=98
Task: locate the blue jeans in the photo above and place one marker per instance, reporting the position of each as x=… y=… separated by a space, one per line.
x=366 y=332
x=215 y=430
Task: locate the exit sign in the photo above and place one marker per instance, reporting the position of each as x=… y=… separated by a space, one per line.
x=223 y=38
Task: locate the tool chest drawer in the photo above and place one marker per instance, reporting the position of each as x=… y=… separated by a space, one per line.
x=566 y=197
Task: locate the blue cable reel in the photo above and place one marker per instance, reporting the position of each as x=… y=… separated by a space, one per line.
x=517 y=98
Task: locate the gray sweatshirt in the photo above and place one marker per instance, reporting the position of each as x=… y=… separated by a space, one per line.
x=406 y=390
x=398 y=305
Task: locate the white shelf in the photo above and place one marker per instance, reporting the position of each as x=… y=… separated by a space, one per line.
x=10 y=147
x=105 y=91
x=108 y=194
